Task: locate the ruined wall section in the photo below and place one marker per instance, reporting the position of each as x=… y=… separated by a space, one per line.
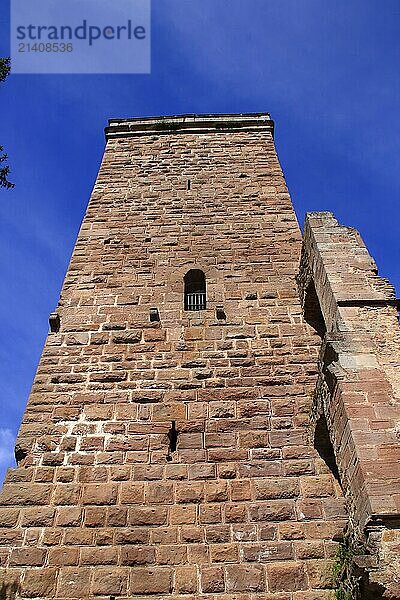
x=358 y=390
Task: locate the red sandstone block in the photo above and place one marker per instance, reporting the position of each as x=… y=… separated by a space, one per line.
x=69 y=444
x=254 y=439
x=99 y=494
x=220 y=410
x=252 y=409
x=210 y=513
x=171 y=555
x=117 y=516
x=133 y=535
x=244 y=532
x=225 y=553
x=226 y=471
x=98 y=412
x=315 y=595
x=99 y=556
x=317 y=486
x=8 y=517
x=288 y=576
x=169 y=412
x=154 y=335
x=78 y=537
x=198 y=554
x=145 y=515
x=186 y=580
x=292 y=437
x=189 y=492
x=11 y=537
x=182 y=515
x=189 y=456
x=274 y=510
x=63 y=556
x=120 y=473
x=276 y=488
x=307 y=550
x=52 y=537
x=216 y=491
x=39 y=583
x=190 y=441
x=177 y=472
x=334 y=508
x=46 y=474
x=37 y=517
x=323 y=530
x=67 y=494
x=269 y=551
x=95 y=516
x=159 y=493
x=219 y=440
x=227 y=454
x=146 y=396
x=74 y=583
x=110 y=581
x=235 y=513
x=212 y=579
x=25 y=494
x=256 y=468
x=137 y=555
x=91 y=443
x=104 y=537
x=152 y=580
x=268 y=532
x=134 y=443
x=63 y=475
x=147 y=472
x=132 y=493
x=192 y=534
x=86 y=459
x=218 y=533
x=245 y=578
x=296 y=468
x=309 y=509
x=240 y=490
x=320 y=573
x=164 y=535
x=29 y=557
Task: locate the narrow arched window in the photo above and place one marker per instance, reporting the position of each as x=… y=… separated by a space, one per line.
x=195 y=290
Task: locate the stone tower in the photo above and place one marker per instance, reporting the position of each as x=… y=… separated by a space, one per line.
x=214 y=405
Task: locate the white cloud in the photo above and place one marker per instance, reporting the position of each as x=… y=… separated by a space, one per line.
x=7 y=441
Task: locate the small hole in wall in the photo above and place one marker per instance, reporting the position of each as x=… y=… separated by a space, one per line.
x=173 y=440
x=189 y=184
x=20 y=455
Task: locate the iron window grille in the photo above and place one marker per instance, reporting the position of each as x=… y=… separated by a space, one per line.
x=195 y=290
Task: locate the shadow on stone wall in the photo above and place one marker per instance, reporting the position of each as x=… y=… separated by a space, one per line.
x=8 y=591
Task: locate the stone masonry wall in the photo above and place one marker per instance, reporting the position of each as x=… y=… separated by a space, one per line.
x=245 y=508
x=359 y=388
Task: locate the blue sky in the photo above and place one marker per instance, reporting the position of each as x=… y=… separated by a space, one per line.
x=328 y=72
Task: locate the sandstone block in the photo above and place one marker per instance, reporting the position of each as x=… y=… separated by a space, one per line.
x=245 y=578
x=151 y=580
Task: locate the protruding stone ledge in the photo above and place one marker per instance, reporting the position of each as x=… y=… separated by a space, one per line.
x=208 y=123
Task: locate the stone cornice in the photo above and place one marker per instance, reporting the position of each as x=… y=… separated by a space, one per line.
x=208 y=123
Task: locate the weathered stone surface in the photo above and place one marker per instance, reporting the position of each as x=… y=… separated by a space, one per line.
x=356 y=402
x=174 y=457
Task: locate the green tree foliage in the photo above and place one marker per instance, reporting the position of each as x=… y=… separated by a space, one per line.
x=4 y=169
